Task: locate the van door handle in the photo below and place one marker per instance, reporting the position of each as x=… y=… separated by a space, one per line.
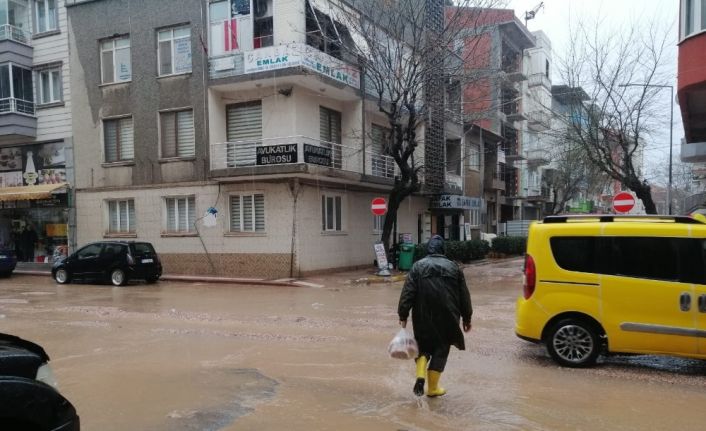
x=702 y=304
x=685 y=301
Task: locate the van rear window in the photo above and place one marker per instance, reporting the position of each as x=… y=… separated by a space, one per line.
x=142 y=248
x=575 y=253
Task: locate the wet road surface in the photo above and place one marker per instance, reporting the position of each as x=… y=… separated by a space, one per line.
x=190 y=356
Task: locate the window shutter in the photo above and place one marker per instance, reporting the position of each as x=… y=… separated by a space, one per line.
x=259 y=213
x=185 y=136
x=127 y=151
x=168 y=134
x=191 y=213
x=243 y=123
x=235 y=214
x=171 y=215
x=324 y=124
x=181 y=215
x=123 y=216
x=110 y=130
x=131 y=216
x=248 y=213
x=113 y=216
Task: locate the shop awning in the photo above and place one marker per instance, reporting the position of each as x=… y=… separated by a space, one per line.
x=29 y=193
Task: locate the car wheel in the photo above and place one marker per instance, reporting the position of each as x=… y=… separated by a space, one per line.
x=118 y=277
x=573 y=343
x=62 y=276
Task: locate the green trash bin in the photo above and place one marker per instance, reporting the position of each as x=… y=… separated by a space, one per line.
x=406 y=257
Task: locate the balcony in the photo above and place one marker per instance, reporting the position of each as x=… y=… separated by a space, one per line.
x=291 y=56
x=537 y=157
x=538 y=121
x=495 y=180
x=694 y=152
x=511 y=106
x=454 y=182
x=17 y=120
x=539 y=80
x=538 y=194
x=295 y=154
x=16 y=34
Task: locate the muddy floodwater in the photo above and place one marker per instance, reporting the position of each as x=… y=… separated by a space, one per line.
x=191 y=356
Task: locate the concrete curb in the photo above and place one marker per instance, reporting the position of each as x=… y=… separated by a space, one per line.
x=195 y=279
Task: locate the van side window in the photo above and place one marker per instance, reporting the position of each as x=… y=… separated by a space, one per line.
x=575 y=253
x=691 y=260
x=646 y=257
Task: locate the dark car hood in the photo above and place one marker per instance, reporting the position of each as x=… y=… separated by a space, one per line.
x=19 y=357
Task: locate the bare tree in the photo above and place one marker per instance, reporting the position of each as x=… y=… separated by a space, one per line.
x=407 y=50
x=619 y=71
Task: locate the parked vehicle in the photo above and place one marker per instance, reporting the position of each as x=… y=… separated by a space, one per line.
x=29 y=400
x=8 y=262
x=114 y=261
x=615 y=284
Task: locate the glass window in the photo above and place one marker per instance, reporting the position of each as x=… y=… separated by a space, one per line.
x=378 y=223
x=89 y=251
x=177 y=133
x=181 y=214
x=118 y=140
x=574 y=253
x=247 y=213
x=115 y=60
x=121 y=216
x=174 y=46
x=652 y=258
x=331 y=214
x=49 y=86
x=18 y=14
x=46 y=15
x=114 y=250
x=474 y=156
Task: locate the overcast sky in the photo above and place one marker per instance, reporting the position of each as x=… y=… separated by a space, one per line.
x=554 y=19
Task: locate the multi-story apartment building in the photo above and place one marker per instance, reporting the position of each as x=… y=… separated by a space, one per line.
x=36 y=148
x=493 y=102
x=691 y=92
x=254 y=111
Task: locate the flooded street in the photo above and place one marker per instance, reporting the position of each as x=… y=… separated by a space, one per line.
x=190 y=356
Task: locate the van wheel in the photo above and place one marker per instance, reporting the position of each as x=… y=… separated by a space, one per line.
x=118 y=277
x=573 y=343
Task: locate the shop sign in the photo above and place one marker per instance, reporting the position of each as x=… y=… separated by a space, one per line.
x=182 y=55
x=300 y=55
x=277 y=154
x=317 y=155
x=455 y=202
x=381 y=256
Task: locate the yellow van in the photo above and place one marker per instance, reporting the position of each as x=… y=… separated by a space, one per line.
x=614 y=284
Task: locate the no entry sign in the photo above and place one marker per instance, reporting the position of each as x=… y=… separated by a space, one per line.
x=379 y=206
x=623 y=202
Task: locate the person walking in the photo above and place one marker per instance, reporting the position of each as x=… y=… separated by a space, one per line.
x=437 y=295
x=29 y=240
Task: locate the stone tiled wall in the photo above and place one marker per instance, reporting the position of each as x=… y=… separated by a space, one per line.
x=249 y=265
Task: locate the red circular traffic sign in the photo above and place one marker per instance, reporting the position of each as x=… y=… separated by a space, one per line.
x=623 y=202
x=379 y=206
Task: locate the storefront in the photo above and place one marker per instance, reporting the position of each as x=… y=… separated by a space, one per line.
x=34 y=201
x=452 y=216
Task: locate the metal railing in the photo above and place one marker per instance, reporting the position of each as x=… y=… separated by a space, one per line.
x=537 y=79
x=10 y=104
x=283 y=151
x=380 y=165
x=10 y=32
x=538 y=120
x=454 y=180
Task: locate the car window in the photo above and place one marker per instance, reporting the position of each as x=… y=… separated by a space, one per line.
x=142 y=248
x=575 y=253
x=89 y=251
x=113 y=250
x=645 y=257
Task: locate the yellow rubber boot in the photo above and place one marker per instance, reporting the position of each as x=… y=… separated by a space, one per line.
x=434 y=389
x=421 y=376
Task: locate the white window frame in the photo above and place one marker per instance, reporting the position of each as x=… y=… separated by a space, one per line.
x=37 y=19
x=40 y=88
x=242 y=196
x=474 y=157
x=176 y=111
x=113 y=48
x=324 y=213
x=474 y=217
x=189 y=223
x=130 y=222
x=105 y=153
x=697 y=24
x=172 y=45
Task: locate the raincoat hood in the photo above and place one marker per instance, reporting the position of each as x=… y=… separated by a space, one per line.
x=435 y=245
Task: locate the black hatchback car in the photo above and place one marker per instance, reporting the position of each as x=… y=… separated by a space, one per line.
x=114 y=261
x=29 y=400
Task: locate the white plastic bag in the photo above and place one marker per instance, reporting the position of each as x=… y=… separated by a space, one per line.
x=403 y=346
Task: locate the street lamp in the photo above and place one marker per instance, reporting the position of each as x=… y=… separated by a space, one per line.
x=671 y=126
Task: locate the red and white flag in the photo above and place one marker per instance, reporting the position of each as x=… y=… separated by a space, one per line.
x=230 y=35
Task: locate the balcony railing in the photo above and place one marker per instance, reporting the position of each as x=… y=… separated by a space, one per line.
x=10 y=32
x=454 y=180
x=539 y=79
x=298 y=150
x=538 y=120
x=10 y=104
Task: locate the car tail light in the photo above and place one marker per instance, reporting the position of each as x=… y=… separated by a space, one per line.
x=530 y=278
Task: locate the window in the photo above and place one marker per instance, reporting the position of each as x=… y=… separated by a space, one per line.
x=331 y=213
x=574 y=253
x=378 y=224
x=121 y=216
x=16 y=93
x=694 y=17
x=263 y=24
x=181 y=214
x=90 y=251
x=330 y=134
x=115 y=60
x=49 y=85
x=174 y=51
x=177 y=133
x=118 y=140
x=382 y=164
x=474 y=217
x=247 y=213
x=474 y=157
x=46 y=15
x=114 y=250
x=652 y=258
x=327 y=35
